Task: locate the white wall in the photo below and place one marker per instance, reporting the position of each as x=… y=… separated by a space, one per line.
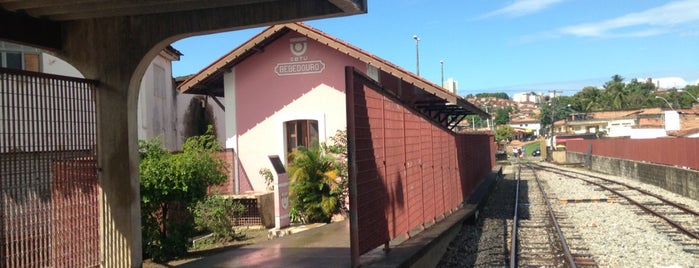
x=647 y=133
x=267 y=137
x=534 y=126
x=156 y=103
x=331 y=117
x=163 y=113
x=619 y=127
x=53 y=65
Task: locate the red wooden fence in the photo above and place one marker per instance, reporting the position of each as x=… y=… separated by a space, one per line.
x=667 y=151
x=405 y=170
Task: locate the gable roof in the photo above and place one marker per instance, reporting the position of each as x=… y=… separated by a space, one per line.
x=209 y=81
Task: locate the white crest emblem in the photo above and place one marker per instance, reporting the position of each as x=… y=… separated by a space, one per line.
x=297 y=46
x=285 y=200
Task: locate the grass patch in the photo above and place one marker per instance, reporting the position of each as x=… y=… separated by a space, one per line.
x=529 y=148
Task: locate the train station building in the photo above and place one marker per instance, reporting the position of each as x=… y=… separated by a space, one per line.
x=285 y=88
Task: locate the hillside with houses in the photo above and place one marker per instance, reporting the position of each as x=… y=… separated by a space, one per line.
x=636 y=110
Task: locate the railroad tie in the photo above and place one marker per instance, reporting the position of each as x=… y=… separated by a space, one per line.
x=587 y=200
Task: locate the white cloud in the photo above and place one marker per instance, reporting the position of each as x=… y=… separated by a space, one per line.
x=668 y=82
x=521 y=8
x=650 y=22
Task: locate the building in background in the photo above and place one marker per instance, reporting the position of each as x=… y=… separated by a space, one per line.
x=20 y=57
x=451 y=85
x=162 y=112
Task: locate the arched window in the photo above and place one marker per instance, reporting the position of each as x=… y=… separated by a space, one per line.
x=300 y=133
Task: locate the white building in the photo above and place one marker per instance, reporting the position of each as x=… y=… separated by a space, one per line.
x=161 y=110
x=451 y=85
x=526 y=97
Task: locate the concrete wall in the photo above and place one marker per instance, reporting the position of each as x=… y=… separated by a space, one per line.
x=677 y=180
x=156 y=101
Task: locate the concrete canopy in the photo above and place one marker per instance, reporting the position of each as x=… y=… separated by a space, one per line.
x=40 y=22
x=113 y=42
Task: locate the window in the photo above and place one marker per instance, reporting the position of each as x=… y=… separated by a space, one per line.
x=372 y=72
x=20 y=60
x=300 y=133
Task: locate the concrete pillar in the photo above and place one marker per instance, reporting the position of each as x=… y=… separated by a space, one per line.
x=118 y=60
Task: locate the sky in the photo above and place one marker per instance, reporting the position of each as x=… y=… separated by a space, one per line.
x=510 y=46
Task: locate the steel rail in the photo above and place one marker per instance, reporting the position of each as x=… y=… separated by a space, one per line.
x=564 y=245
x=561 y=237
x=644 y=207
x=679 y=206
x=515 y=220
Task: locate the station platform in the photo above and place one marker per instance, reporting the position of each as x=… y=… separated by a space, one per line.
x=329 y=245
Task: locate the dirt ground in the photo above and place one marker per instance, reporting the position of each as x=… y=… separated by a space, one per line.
x=251 y=236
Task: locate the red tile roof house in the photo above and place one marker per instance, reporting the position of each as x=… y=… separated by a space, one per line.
x=286 y=87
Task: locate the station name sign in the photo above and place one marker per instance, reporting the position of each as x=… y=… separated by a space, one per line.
x=299 y=63
x=301 y=67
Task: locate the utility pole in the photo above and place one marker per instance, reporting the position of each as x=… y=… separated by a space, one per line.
x=441 y=62
x=553 y=118
x=417 y=54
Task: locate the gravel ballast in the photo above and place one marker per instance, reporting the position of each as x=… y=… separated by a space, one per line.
x=617 y=234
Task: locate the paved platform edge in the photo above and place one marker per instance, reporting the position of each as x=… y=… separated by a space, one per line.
x=426 y=248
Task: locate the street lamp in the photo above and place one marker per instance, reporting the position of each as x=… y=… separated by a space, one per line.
x=690 y=94
x=668 y=103
x=417 y=53
x=441 y=63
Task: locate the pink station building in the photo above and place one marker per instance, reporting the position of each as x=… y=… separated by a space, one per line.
x=284 y=88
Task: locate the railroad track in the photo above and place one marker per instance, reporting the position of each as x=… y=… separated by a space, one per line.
x=537 y=234
x=677 y=221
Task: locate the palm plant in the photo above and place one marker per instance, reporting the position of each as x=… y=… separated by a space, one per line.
x=314 y=189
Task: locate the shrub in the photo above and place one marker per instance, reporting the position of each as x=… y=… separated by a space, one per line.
x=170 y=185
x=218 y=215
x=313 y=189
x=269 y=178
x=338 y=151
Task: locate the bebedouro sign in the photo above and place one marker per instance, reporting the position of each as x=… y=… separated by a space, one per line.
x=299 y=64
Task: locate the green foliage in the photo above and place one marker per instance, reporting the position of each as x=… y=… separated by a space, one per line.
x=504 y=132
x=218 y=215
x=314 y=188
x=477 y=121
x=337 y=149
x=499 y=95
x=269 y=178
x=170 y=185
x=502 y=116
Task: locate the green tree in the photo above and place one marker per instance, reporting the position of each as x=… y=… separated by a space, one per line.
x=504 y=132
x=171 y=184
x=687 y=100
x=615 y=92
x=499 y=95
x=314 y=190
x=502 y=116
x=588 y=100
